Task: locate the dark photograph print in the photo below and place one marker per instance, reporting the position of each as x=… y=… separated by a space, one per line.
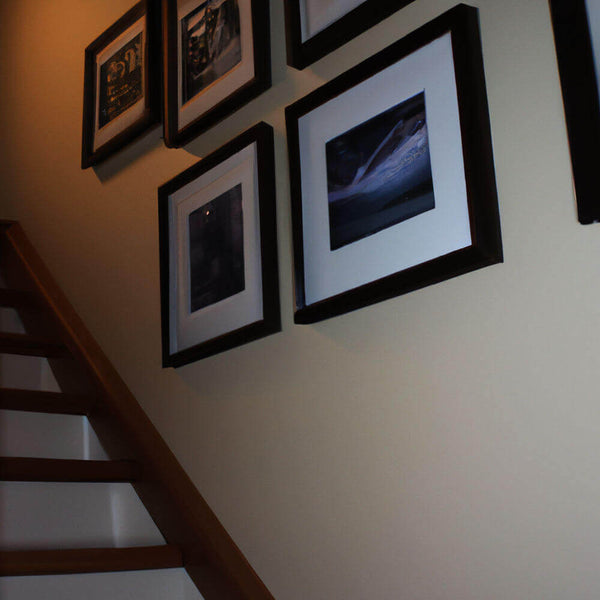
x=211 y=44
x=379 y=173
x=121 y=84
x=216 y=250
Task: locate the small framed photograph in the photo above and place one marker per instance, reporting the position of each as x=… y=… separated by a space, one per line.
x=577 y=35
x=392 y=175
x=317 y=27
x=218 y=251
x=121 y=97
x=217 y=58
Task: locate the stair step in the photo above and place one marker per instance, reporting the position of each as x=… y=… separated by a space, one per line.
x=89 y=560
x=46 y=435
x=18 y=298
x=157 y=584
x=47 y=469
x=46 y=402
x=27 y=372
x=10 y=322
x=29 y=345
x=65 y=515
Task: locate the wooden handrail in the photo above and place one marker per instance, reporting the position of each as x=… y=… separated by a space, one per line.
x=212 y=559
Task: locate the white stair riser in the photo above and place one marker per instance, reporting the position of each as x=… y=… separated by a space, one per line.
x=27 y=373
x=42 y=435
x=73 y=515
x=10 y=322
x=165 y=584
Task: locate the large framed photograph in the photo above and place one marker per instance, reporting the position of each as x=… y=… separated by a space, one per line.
x=217 y=58
x=218 y=251
x=392 y=174
x=121 y=97
x=577 y=36
x=317 y=27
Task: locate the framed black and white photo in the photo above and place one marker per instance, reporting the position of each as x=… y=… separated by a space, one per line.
x=317 y=27
x=218 y=251
x=121 y=84
x=577 y=35
x=392 y=175
x=217 y=58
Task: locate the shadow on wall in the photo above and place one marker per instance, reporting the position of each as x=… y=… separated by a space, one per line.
x=133 y=152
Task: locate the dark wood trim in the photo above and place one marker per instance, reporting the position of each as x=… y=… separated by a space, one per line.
x=45 y=402
x=211 y=557
x=17 y=298
x=89 y=560
x=581 y=100
x=50 y=469
x=29 y=345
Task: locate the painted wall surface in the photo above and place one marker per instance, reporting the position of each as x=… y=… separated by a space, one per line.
x=441 y=445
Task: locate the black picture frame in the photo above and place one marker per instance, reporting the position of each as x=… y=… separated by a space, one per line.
x=573 y=40
x=121 y=97
x=209 y=301
x=194 y=108
x=329 y=284
x=303 y=52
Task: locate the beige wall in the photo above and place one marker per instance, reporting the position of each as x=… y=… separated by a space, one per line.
x=441 y=445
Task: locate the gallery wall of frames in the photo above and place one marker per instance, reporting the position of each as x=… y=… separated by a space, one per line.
x=390 y=163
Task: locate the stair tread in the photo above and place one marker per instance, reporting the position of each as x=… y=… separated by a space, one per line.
x=50 y=469
x=30 y=345
x=46 y=402
x=11 y=298
x=89 y=560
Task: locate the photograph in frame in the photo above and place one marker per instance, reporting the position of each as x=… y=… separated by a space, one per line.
x=399 y=192
x=314 y=28
x=218 y=251
x=211 y=45
x=217 y=59
x=121 y=84
x=576 y=25
x=379 y=173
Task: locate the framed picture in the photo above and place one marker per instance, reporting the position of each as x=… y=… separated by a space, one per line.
x=217 y=58
x=121 y=92
x=317 y=27
x=218 y=251
x=392 y=175
x=577 y=36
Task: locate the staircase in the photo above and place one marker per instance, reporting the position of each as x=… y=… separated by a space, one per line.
x=92 y=502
